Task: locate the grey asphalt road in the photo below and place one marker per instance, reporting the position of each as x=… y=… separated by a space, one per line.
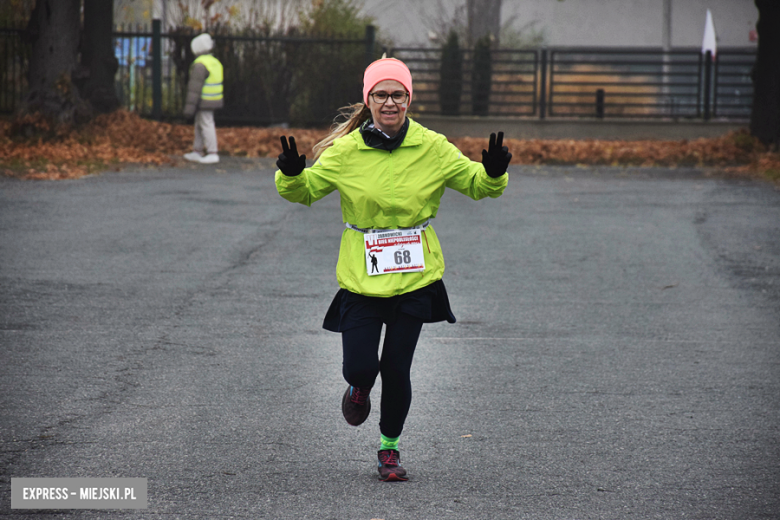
x=616 y=356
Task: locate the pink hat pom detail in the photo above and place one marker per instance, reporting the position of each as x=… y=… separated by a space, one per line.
x=384 y=69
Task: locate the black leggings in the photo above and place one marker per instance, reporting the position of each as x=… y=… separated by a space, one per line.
x=362 y=365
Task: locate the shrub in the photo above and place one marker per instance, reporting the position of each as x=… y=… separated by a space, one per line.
x=328 y=76
x=451 y=82
x=481 y=77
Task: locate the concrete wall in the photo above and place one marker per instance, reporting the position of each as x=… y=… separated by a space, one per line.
x=564 y=23
x=583 y=22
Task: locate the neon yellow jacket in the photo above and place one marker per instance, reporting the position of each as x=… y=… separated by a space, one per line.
x=389 y=190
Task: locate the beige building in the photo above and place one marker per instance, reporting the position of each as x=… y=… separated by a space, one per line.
x=634 y=23
x=622 y=23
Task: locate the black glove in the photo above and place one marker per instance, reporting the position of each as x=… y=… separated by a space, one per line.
x=289 y=161
x=496 y=158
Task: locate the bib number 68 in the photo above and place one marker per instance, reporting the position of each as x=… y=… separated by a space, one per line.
x=403 y=257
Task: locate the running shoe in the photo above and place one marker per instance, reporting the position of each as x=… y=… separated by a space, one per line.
x=356 y=405
x=390 y=469
x=193 y=157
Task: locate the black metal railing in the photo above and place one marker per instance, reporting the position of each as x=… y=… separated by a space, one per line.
x=625 y=83
x=305 y=81
x=595 y=83
x=134 y=53
x=733 y=84
x=268 y=80
x=513 y=90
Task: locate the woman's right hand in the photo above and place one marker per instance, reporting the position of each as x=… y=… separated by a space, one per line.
x=289 y=161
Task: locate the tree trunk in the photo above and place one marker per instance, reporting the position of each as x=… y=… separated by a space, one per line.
x=54 y=31
x=484 y=19
x=53 y=101
x=97 y=56
x=765 y=117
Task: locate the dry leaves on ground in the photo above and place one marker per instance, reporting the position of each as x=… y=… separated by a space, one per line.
x=124 y=137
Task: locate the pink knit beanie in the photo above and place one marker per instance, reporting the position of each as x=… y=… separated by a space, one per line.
x=386 y=68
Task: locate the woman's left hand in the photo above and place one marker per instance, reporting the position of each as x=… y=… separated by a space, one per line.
x=496 y=158
x=289 y=161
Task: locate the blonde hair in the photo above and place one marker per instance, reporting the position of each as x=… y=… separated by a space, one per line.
x=355 y=116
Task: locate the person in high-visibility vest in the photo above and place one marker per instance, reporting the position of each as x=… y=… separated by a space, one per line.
x=204 y=96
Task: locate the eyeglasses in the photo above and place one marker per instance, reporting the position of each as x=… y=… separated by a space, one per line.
x=399 y=96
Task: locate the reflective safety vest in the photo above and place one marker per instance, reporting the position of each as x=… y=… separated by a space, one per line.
x=212 y=88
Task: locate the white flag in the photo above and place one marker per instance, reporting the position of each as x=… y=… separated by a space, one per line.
x=709 y=41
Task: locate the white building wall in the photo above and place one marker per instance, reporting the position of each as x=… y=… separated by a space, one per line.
x=637 y=23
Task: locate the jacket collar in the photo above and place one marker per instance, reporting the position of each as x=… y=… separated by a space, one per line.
x=376 y=138
x=413 y=137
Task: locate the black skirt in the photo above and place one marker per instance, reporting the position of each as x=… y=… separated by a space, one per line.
x=349 y=310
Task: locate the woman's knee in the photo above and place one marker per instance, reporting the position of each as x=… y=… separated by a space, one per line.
x=395 y=372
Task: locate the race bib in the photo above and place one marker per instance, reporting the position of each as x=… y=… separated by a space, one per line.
x=394 y=251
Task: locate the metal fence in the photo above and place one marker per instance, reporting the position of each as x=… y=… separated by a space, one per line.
x=625 y=83
x=134 y=53
x=651 y=83
x=267 y=80
x=513 y=90
x=305 y=81
x=733 y=83
x=595 y=83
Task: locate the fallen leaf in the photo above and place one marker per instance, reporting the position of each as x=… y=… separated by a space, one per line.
x=124 y=137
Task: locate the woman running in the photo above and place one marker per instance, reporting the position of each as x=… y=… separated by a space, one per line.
x=391 y=173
